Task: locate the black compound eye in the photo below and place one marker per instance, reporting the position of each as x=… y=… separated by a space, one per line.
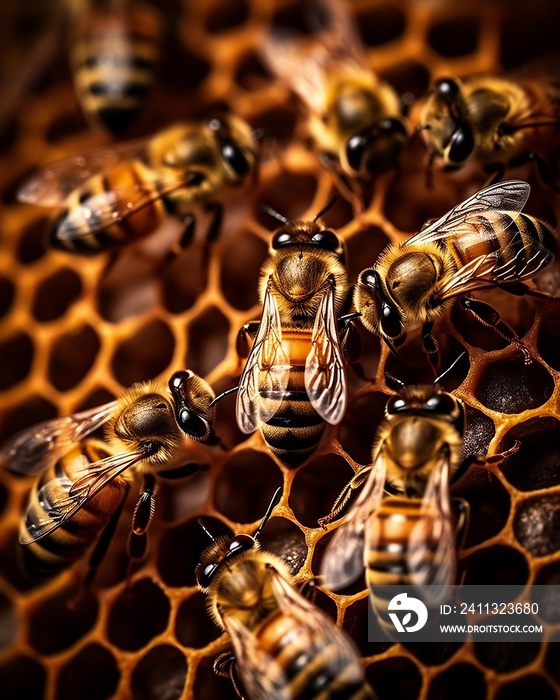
x=327 y=240
x=396 y=405
x=392 y=126
x=281 y=238
x=191 y=423
x=447 y=88
x=390 y=320
x=355 y=149
x=241 y=543
x=461 y=145
x=204 y=575
x=235 y=158
x=440 y=403
x=369 y=278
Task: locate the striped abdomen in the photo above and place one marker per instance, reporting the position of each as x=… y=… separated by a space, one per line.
x=115 y=58
x=103 y=196
x=517 y=238
x=295 y=429
x=59 y=549
x=314 y=669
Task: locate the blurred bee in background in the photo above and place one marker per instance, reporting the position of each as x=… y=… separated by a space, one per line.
x=113 y=197
x=499 y=123
x=83 y=482
x=483 y=243
x=294 y=378
x=354 y=118
x=114 y=53
x=284 y=647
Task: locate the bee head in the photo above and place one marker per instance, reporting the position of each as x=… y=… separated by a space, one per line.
x=377 y=149
x=379 y=313
x=237 y=146
x=451 y=137
x=192 y=397
x=306 y=233
x=220 y=552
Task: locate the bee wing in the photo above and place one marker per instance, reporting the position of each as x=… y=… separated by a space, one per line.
x=35 y=448
x=51 y=186
x=61 y=509
x=325 y=375
x=266 y=371
x=510 y=196
x=343 y=561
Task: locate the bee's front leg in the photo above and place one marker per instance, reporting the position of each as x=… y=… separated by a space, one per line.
x=338 y=506
x=226 y=667
x=141 y=519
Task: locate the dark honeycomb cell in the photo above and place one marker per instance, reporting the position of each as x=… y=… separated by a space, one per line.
x=510 y=386
x=209 y=686
x=193 y=626
x=381 y=24
x=462 y=682
x=531 y=686
x=316 y=486
x=55 y=294
x=251 y=74
x=552 y=659
x=181 y=547
x=323 y=602
x=22 y=677
x=359 y=426
x=97 y=397
x=11 y=563
x=287 y=541
x=396 y=678
x=289 y=194
x=245 y=486
x=489 y=504
x=241 y=263
x=72 y=356
x=479 y=431
x=60 y=620
x=537 y=524
x=139 y=614
x=178 y=80
x=278 y=122
x=301 y=16
x=549 y=338
x=144 y=355
x=33 y=244
x=8 y=622
x=536 y=463
x=494 y=566
x=456 y=36
x=355 y=623
x=93 y=670
x=16 y=356
x=128 y=288
x=185 y=278
x=433 y=654
x=226 y=15
x=160 y=674
x=549 y=596
x=7 y=292
x=505 y=657
x=408 y=77
x=208 y=341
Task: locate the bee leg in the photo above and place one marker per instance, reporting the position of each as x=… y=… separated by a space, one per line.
x=307 y=589
x=342 y=500
x=430 y=346
x=521 y=289
x=351 y=345
x=189 y=226
x=226 y=667
x=141 y=519
x=217 y=211
x=543 y=167
x=488 y=315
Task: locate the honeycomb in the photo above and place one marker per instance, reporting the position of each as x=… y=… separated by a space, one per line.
x=76 y=331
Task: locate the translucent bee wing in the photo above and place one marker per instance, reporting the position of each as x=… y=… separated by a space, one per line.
x=343 y=561
x=62 y=508
x=263 y=383
x=325 y=373
x=36 y=448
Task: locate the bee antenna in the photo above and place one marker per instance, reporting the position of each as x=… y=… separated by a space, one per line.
x=275 y=215
x=437 y=380
x=391 y=347
x=206 y=530
x=327 y=206
x=273 y=503
x=262 y=134
x=393 y=382
x=223 y=395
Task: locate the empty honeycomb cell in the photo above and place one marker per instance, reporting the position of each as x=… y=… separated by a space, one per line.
x=364 y=249
x=396 y=678
x=184 y=279
x=489 y=504
x=93 y=670
x=226 y=15
x=139 y=614
x=289 y=194
x=299 y=16
x=462 y=682
x=60 y=620
x=97 y=397
x=251 y=73
x=198 y=68
x=433 y=654
x=532 y=27
x=536 y=463
x=496 y=565
x=8 y=622
x=193 y=626
x=55 y=294
x=128 y=288
x=32 y=243
x=549 y=597
x=479 y=431
x=320 y=600
x=381 y=24
x=33 y=410
x=552 y=660
x=160 y=674
x=357 y=439
x=22 y=677
x=531 y=686
x=7 y=292
x=355 y=623
x=316 y=486
x=287 y=541
x=549 y=338
x=245 y=486
x=408 y=77
x=208 y=341
x=510 y=386
x=239 y=277
x=145 y=355
x=16 y=355
x=504 y=657
x=209 y=686
x=278 y=123
x=72 y=356
x=180 y=549
x=456 y=36
x=537 y=524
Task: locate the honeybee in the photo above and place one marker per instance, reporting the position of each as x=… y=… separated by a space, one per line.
x=407 y=537
x=284 y=646
x=294 y=378
x=115 y=52
x=83 y=482
x=483 y=243
x=116 y=196
x=354 y=118
x=495 y=121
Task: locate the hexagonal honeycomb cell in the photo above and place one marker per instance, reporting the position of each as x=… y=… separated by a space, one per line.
x=75 y=331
